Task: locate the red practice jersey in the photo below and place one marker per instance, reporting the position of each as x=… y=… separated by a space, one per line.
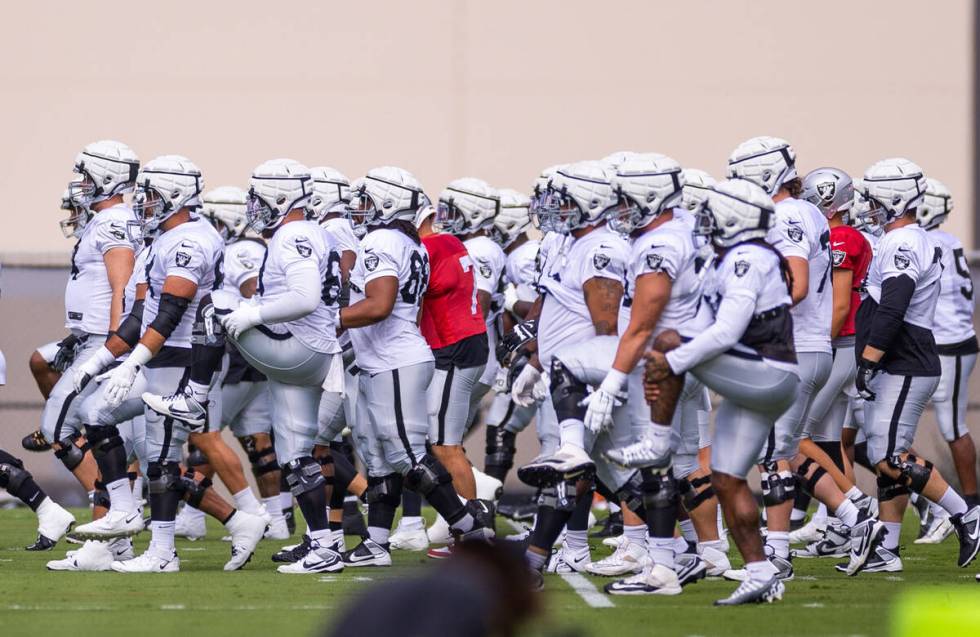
x=850 y=251
x=450 y=309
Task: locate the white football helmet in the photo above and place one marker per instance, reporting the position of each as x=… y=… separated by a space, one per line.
x=767 y=161
x=646 y=186
x=467 y=205
x=106 y=168
x=936 y=205
x=829 y=189
x=578 y=195
x=859 y=215
x=226 y=209
x=78 y=216
x=614 y=160
x=513 y=219
x=165 y=186
x=890 y=189
x=331 y=192
x=737 y=210
x=697 y=183
x=276 y=188
x=384 y=195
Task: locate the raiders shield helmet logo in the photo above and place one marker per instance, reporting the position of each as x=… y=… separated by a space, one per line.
x=246 y=263
x=902 y=262
x=655 y=261
x=600 y=261
x=485 y=270
x=371 y=262
x=303 y=247
x=741 y=267
x=826 y=191
x=182 y=259
x=794 y=232
x=838 y=257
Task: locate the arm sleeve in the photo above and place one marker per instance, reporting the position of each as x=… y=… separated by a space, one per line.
x=733 y=318
x=896 y=292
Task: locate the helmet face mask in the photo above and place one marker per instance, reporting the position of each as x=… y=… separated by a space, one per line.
x=78 y=216
x=626 y=216
x=560 y=212
x=362 y=211
x=261 y=216
x=449 y=218
x=150 y=209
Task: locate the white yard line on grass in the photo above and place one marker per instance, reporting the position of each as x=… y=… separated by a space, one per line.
x=587 y=591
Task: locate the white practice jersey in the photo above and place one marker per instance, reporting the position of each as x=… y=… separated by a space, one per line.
x=909 y=251
x=139 y=273
x=488 y=275
x=670 y=250
x=243 y=260
x=396 y=341
x=872 y=238
x=297 y=247
x=191 y=251
x=521 y=270
x=747 y=282
x=88 y=295
x=342 y=232
x=567 y=266
x=801 y=230
x=954 y=310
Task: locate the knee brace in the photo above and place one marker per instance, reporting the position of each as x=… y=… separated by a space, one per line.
x=263 y=461
x=12 y=475
x=659 y=489
x=631 y=493
x=567 y=392
x=560 y=497
x=100 y=497
x=426 y=476
x=162 y=477
x=193 y=491
x=70 y=455
x=777 y=487
x=889 y=488
x=102 y=439
x=500 y=447
x=691 y=498
x=303 y=474
x=385 y=490
x=809 y=484
x=207 y=329
x=196 y=458
x=914 y=475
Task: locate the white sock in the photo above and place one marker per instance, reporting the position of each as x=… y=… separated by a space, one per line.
x=662 y=551
x=854 y=494
x=687 y=530
x=322 y=537
x=572 y=432
x=272 y=506
x=680 y=544
x=246 y=501
x=138 y=488
x=285 y=500
x=935 y=508
x=413 y=522
x=847 y=513
x=779 y=541
x=121 y=495
x=892 y=532
x=199 y=391
x=378 y=534
x=191 y=512
x=717 y=545
x=797 y=514
x=613 y=507
x=721 y=523
x=761 y=571
x=535 y=560
x=820 y=517
x=162 y=540
x=465 y=524
x=952 y=502
x=577 y=541
x=636 y=533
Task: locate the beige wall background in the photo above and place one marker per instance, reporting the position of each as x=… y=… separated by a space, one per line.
x=491 y=89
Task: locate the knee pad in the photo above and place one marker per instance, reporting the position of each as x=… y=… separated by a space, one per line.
x=426 y=476
x=103 y=439
x=889 y=488
x=263 y=462
x=914 y=476
x=809 y=484
x=631 y=493
x=207 y=329
x=100 y=497
x=501 y=447
x=777 y=487
x=567 y=392
x=560 y=497
x=691 y=498
x=385 y=490
x=196 y=458
x=303 y=475
x=70 y=455
x=12 y=475
x=192 y=490
x=659 y=489
x=162 y=477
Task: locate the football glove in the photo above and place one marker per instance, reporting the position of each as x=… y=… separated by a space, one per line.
x=601 y=403
x=866 y=371
x=525 y=385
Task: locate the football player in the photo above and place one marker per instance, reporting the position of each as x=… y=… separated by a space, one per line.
x=182 y=268
x=748 y=293
x=388 y=282
x=956 y=339
x=898 y=366
x=53 y=521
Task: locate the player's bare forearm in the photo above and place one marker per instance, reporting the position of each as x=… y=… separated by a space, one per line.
x=376 y=306
x=651 y=296
x=119 y=263
x=800 y=277
x=602 y=297
x=843 y=280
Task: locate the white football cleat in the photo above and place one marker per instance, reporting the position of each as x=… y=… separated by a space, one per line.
x=246 y=530
x=716 y=561
x=639 y=455
x=615 y=541
x=148 y=562
x=318 y=560
x=277 y=529
x=487 y=487
x=53 y=521
x=181 y=406
x=113 y=524
x=655 y=580
x=940 y=528
x=812 y=531
x=190 y=525
x=409 y=536
x=566 y=561
x=92 y=556
x=367 y=553
x=439 y=532
x=628 y=558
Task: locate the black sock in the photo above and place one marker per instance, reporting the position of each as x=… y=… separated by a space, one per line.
x=163 y=506
x=445 y=501
x=381 y=515
x=861 y=456
x=801 y=501
x=411 y=504
x=112 y=463
x=548 y=527
x=313 y=504
x=972 y=499
x=579 y=520
x=496 y=471
x=29 y=493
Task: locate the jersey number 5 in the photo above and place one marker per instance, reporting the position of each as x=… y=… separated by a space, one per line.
x=963 y=269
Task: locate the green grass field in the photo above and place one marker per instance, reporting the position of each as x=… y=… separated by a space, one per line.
x=204 y=600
